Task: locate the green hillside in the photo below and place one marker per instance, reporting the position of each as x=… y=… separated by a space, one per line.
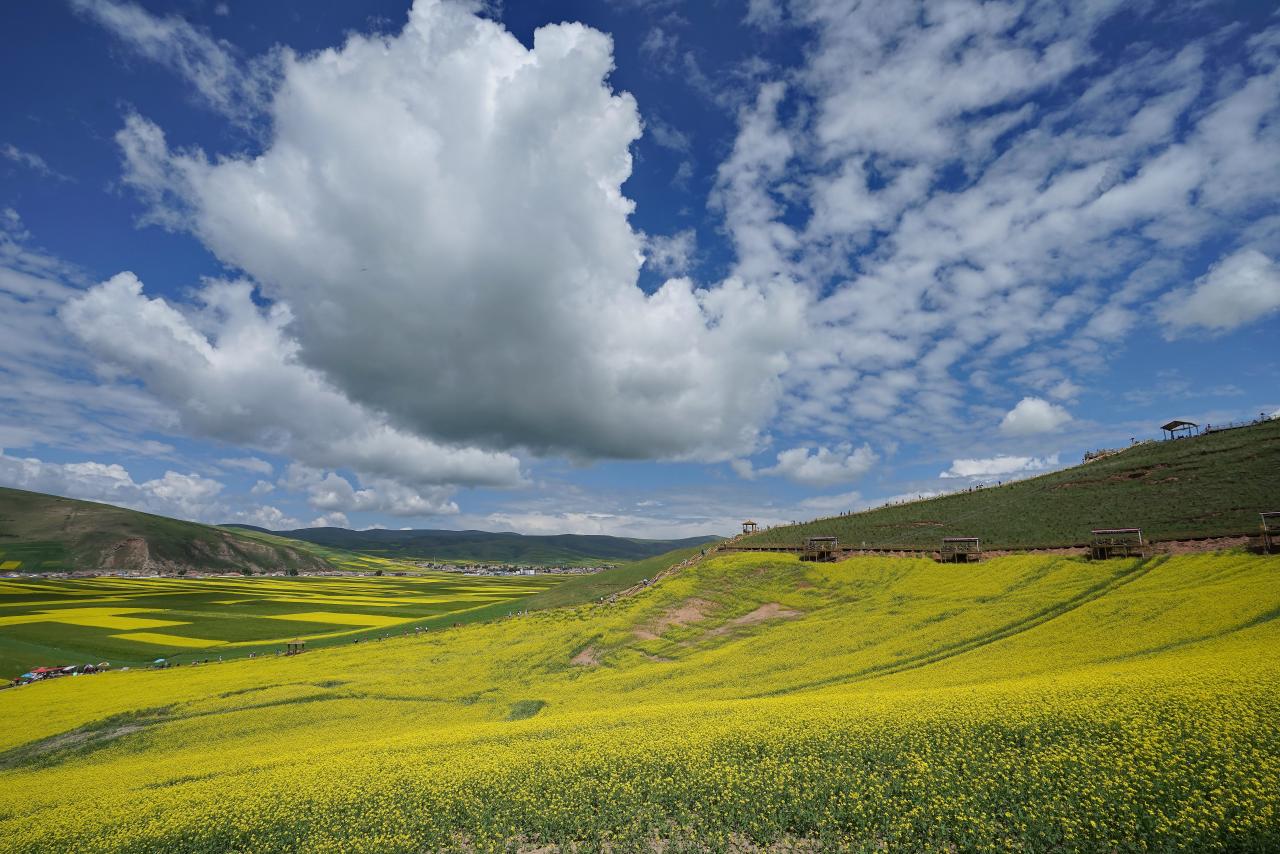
x=489 y=547
x=1208 y=486
x=749 y=703
x=46 y=533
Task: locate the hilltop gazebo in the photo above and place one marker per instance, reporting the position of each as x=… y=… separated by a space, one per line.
x=1117 y=542
x=960 y=549
x=1178 y=429
x=749 y=527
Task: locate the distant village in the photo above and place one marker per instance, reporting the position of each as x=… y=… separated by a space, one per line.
x=511 y=569
x=490 y=569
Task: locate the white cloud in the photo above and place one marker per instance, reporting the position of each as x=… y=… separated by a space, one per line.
x=958 y=224
x=331 y=491
x=330 y=520
x=229 y=85
x=999 y=467
x=467 y=140
x=671 y=254
x=1065 y=390
x=30 y=160
x=821 y=466
x=764 y=14
x=230 y=371
x=186 y=496
x=262 y=487
x=266 y=516
x=1242 y=288
x=833 y=503
x=249 y=464
x=1033 y=415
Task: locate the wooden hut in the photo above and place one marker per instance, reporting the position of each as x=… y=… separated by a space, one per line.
x=1117 y=542
x=295 y=646
x=960 y=549
x=819 y=549
x=1270 y=532
x=1180 y=429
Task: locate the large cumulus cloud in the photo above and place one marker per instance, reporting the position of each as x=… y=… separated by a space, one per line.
x=230 y=372
x=442 y=211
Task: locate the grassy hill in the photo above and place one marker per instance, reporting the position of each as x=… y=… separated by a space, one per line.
x=1032 y=703
x=488 y=547
x=45 y=533
x=1208 y=486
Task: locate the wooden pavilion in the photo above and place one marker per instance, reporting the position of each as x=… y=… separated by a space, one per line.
x=1270 y=532
x=819 y=549
x=749 y=527
x=1180 y=429
x=960 y=549
x=1117 y=542
x=295 y=646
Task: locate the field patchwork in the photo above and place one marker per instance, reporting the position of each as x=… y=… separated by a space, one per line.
x=749 y=703
x=131 y=621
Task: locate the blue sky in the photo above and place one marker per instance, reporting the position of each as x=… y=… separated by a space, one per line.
x=636 y=267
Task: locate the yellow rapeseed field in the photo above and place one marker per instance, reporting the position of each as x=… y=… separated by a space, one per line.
x=1022 y=704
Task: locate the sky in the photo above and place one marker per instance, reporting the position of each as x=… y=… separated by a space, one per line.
x=637 y=267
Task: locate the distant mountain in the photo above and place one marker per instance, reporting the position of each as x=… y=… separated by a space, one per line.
x=503 y=547
x=47 y=533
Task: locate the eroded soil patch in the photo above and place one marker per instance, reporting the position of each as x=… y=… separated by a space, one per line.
x=686 y=613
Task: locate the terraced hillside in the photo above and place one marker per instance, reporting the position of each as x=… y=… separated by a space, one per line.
x=1029 y=703
x=43 y=533
x=1209 y=486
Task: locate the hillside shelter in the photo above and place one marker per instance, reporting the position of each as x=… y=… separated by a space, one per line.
x=960 y=549
x=1117 y=542
x=295 y=646
x=749 y=527
x=1179 y=429
x=819 y=549
x=1270 y=532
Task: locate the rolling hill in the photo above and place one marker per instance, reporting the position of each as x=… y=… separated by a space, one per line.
x=484 y=546
x=1207 y=486
x=749 y=703
x=46 y=533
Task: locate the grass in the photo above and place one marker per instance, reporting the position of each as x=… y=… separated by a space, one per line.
x=131 y=621
x=1210 y=486
x=490 y=547
x=1031 y=703
x=46 y=533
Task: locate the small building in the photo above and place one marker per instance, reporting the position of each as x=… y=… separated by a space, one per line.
x=749 y=527
x=1117 y=542
x=1270 y=532
x=960 y=549
x=1180 y=429
x=294 y=646
x=820 y=549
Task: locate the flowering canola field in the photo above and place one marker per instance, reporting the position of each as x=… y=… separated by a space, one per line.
x=1026 y=703
x=129 y=621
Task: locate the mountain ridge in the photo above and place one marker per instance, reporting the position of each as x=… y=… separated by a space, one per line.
x=495 y=546
x=52 y=533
